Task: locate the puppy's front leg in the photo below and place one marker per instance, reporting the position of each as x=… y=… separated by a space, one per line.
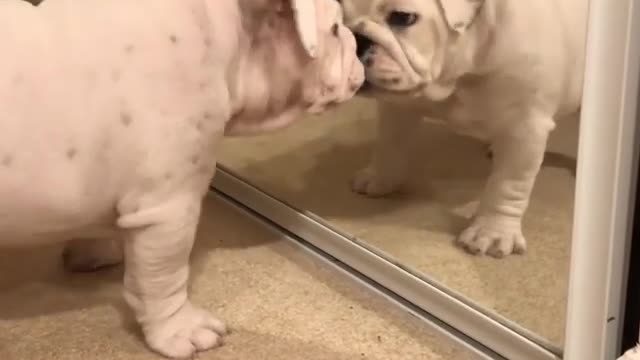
x=156 y=272
x=517 y=157
x=389 y=167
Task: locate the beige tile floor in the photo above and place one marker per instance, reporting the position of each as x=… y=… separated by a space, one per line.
x=310 y=165
x=281 y=303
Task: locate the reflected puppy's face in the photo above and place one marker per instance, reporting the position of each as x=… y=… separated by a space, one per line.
x=404 y=43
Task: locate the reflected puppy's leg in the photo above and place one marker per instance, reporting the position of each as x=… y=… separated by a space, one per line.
x=517 y=156
x=389 y=166
x=157 y=251
x=86 y=255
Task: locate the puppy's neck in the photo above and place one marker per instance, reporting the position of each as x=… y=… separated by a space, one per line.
x=265 y=76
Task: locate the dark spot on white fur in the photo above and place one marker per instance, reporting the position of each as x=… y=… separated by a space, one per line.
x=115 y=75
x=17 y=79
x=205 y=169
x=126 y=119
x=7 y=160
x=335 y=30
x=173 y=38
x=71 y=153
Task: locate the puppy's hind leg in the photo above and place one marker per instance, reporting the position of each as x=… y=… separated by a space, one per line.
x=157 y=251
x=86 y=255
x=389 y=166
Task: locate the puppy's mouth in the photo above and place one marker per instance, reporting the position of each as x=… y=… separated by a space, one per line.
x=387 y=77
x=387 y=68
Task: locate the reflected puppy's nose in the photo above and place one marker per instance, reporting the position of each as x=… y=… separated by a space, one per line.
x=363 y=45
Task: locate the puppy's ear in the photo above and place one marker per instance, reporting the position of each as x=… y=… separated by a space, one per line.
x=304 y=14
x=460 y=14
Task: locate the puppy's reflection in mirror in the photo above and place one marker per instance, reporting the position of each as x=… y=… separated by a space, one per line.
x=498 y=73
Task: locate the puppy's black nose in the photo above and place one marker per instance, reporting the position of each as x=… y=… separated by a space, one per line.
x=363 y=45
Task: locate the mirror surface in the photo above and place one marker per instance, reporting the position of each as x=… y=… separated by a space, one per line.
x=422 y=220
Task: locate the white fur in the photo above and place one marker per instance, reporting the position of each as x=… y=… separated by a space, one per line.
x=110 y=113
x=504 y=76
x=631 y=354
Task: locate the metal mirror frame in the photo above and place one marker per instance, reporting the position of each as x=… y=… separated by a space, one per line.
x=605 y=185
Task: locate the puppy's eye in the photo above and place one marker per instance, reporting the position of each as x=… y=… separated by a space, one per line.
x=402 y=18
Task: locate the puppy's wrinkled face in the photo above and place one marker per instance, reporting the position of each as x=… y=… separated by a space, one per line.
x=336 y=74
x=403 y=43
x=296 y=61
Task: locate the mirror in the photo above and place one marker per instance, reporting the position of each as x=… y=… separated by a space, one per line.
x=452 y=123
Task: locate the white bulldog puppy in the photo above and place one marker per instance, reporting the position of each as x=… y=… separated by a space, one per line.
x=502 y=71
x=116 y=107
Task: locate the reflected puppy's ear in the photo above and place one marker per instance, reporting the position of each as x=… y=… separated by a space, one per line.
x=304 y=14
x=460 y=14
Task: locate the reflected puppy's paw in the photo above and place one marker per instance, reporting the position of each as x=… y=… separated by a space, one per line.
x=371 y=183
x=185 y=333
x=495 y=235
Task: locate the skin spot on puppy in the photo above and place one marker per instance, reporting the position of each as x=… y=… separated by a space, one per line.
x=71 y=153
x=7 y=160
x=168 y=176
x=17 y=79
x=195 y=159
x=116 y=75
x=126 y=119
x=173 y=38
x=207 y=169
x=129 y=49
x=199 y=126
x=335 y=30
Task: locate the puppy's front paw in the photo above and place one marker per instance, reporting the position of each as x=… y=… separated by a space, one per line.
x=186 y=332
x=495 y=235
x=370 y=183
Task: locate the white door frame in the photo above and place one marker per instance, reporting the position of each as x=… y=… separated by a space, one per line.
x=605 y=183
